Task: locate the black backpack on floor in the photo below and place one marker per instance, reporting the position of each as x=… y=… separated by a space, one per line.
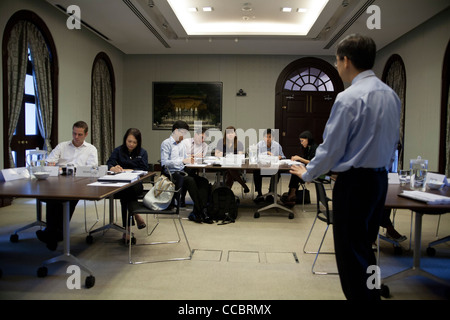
x=223 y=205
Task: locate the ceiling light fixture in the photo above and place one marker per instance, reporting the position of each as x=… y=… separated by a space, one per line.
x=302 y=10
x=207 y=9
x=247 y=7
x=286 y=9
x=192 y=9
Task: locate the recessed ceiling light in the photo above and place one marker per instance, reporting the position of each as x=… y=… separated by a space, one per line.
x=286 y=9
x=302 y=10
x=207 y=9
x=192 y=9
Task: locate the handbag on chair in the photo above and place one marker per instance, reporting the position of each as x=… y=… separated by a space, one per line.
x=160 y=195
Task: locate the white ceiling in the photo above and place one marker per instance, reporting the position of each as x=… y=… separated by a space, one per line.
x=151 y=27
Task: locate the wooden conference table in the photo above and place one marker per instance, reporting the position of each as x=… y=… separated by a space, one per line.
x=394 y=201
x=65 y=188
x=266 y=170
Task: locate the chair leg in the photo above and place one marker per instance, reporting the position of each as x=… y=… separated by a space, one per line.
x=179 y=240
x=317 y=255
x=85 y=217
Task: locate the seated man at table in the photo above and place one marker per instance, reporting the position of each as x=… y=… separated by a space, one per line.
x=79 y=153
x=174 y=159
x=196 y=148
x=268 y=147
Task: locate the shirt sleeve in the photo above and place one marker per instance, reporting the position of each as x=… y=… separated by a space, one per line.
x=170 y=160
x=113 y=158
x=92 y=159
x=55 y=155
x=334 y=142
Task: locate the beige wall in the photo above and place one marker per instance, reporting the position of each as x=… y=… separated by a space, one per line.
x=256 y=75
x=76 y=51
x=422 y=51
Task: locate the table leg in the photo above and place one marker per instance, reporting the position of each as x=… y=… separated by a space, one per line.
x=415 y=269
x=275 y=204
x=111 y=224
x=66 y=256
x=38 y=223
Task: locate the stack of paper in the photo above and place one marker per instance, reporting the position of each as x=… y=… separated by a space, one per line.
x=429 y=198
x=120 y=177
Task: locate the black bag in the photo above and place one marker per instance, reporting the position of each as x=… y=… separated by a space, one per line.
x=299 y=194
x=223 y=205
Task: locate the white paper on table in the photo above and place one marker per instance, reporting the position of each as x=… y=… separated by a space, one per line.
x=107 y=184
x=393 y=178
x=429 y=198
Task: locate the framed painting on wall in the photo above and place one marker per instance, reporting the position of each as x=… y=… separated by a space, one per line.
x=187 y=101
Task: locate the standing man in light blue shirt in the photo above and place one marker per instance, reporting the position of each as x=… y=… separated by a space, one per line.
x=359 y=143
x=174 y=158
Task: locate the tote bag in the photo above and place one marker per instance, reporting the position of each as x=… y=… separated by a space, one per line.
x=160 y=195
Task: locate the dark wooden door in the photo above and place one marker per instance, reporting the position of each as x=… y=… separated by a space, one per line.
x=303 y=111
x=306 y=90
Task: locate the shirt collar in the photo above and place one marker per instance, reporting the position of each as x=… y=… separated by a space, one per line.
x=83 y=145
x=362 y=75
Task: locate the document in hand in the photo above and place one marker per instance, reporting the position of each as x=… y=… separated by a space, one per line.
x=120 y=177
x=429 y=198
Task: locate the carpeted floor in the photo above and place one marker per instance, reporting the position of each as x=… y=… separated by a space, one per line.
x=252 y=259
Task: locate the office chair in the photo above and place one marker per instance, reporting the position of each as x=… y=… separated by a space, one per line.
x=325 y=215
x=172 y=212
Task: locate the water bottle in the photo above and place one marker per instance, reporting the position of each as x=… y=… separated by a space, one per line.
x=418 y=171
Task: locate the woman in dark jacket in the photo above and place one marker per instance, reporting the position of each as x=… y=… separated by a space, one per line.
x=129 y=156
x=309 y=151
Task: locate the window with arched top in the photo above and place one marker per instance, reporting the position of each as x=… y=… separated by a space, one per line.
x=394 y=75
x=304 y=94
x=102 y=106
x=30 y=82
x=309 y=79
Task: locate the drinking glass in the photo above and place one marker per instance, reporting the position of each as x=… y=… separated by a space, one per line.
x=403 y=176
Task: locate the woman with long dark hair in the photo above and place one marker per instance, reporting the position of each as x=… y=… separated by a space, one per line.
x=129 y=156
x=309 y=151
x=230 y=144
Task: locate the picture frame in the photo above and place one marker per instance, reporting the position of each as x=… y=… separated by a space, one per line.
x=187 y=101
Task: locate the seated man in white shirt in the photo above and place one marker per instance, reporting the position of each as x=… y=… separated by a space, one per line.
x=268 y=147
x=196 y=148
x=79 y=153
x=174 y=158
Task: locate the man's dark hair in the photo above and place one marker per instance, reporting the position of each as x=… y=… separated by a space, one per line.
x=180 y=124
x=359 y=49
x=82 y=125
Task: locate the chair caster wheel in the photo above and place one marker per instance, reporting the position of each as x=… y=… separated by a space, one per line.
x=133 y=240
x=291 y=216
x=431 y=252
x=89 y=239
x=256 y=215
x=90 y=281
x=42 y=272
x=14 y=238
x=384 y=291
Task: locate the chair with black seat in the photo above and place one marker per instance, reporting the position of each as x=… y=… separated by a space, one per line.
x=172 y=212
x=323 y=214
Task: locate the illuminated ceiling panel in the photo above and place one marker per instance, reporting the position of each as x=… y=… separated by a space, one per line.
x=239 y=18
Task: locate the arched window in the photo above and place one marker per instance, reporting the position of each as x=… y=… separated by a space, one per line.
x=30 y=68
x=102 y=106
x=394 y=75
x=444 y=146
x=309 y=79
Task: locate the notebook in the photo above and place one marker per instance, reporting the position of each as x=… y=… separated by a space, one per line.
x=120 y=177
